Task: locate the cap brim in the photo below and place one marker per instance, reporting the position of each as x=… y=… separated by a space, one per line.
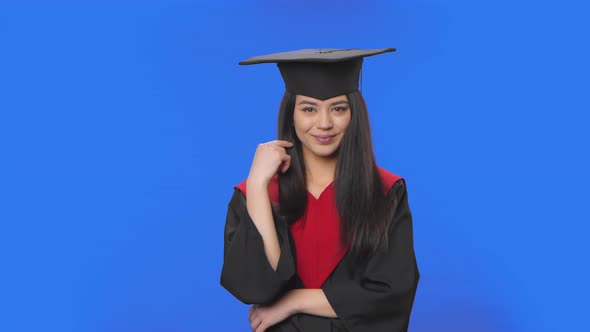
x=315 y=55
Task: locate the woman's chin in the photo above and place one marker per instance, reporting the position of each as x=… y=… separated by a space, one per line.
x=324 y=151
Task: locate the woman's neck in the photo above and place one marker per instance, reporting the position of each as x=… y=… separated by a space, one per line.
x=319 y=170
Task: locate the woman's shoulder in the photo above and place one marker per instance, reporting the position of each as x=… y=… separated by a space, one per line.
x=390 y=179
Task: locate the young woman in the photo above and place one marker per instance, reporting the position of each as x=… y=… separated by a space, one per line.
x=319 y=238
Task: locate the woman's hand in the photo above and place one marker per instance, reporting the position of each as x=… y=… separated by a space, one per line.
x=267 y=160
x=263 y=317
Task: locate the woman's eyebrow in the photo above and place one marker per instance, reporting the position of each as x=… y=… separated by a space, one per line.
x=308 y=102
x=339 y=102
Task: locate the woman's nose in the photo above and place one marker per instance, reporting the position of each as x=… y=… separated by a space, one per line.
x=325 y=120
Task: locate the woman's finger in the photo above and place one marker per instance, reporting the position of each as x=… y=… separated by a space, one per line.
x=284 y=144
x=252 y=309
x=255 y=323
x=261 y=328
x=284 y=157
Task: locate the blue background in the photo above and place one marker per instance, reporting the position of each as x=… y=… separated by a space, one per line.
x=125 y=124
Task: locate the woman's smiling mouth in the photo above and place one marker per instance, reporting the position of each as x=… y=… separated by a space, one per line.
x=324 y=139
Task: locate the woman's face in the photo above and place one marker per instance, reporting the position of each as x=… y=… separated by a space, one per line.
x=321 y=124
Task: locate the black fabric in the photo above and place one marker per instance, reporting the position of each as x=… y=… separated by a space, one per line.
x=319 y=73
x=378 y=298
x=321 y=80
x=246 y=272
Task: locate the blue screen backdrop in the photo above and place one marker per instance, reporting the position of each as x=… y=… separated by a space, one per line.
x=124 y=126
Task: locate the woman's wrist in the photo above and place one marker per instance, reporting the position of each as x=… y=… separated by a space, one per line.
x=256 y=184
x=309 y=301
x=294 y=301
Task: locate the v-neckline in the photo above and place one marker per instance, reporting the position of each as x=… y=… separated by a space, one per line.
x=322 y=192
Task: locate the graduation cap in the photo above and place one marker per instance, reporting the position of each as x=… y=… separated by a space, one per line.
x=319 y=73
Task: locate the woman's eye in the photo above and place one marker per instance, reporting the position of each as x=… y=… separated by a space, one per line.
x=308 y=109
x=340 y=109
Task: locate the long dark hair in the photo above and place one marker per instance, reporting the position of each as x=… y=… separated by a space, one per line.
x=360 y=198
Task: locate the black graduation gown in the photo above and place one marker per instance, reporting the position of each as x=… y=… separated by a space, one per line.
x=379 y=298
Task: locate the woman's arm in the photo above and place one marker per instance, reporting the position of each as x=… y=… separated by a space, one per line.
x=259 y=209
x=297 y=301
x=269 y=157
x=310 y=301
x=257 y=260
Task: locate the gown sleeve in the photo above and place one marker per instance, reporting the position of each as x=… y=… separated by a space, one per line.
x=246 y=272
x=381 y=297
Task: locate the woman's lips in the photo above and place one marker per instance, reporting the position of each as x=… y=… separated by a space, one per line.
x=324 y=139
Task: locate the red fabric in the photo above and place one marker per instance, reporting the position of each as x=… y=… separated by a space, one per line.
x=317 y=233
x=317 y=239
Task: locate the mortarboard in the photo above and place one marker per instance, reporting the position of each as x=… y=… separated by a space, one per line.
x=319 y=73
